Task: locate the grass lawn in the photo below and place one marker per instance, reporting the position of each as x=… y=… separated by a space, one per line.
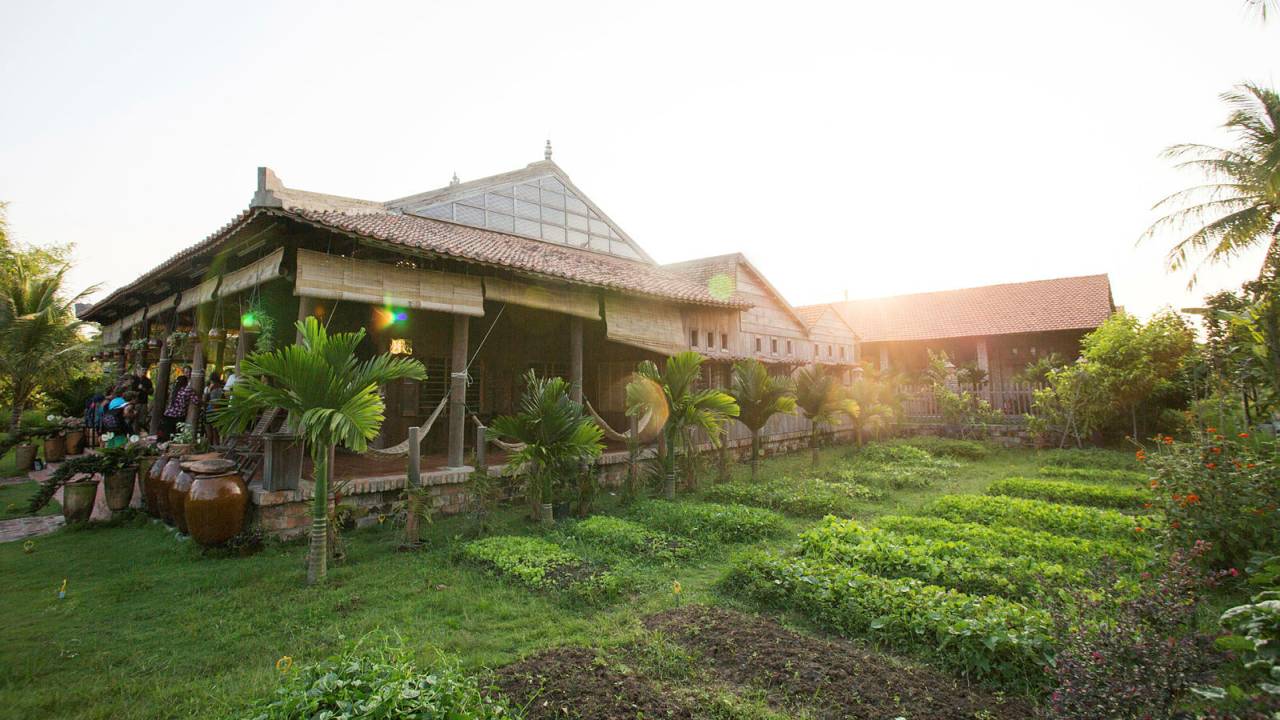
x=14 y=498
x=150 y=628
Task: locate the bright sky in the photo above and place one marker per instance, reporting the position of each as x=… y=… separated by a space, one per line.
x=867 y=148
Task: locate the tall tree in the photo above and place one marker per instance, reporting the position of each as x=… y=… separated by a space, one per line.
x=668 y=399
x=556 y=435
x=40 y=337
x=331 y=398
x=820 y=399
x=1240 y=207
x=760 y=396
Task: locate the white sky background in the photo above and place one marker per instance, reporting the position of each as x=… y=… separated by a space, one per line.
x=874 y=148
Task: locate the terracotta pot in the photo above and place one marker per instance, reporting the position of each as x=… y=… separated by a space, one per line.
x=216 y=502
x=117 y=489
x=178 y=497
x=25 y=456
x=150 y=484
x=55 y=449
x=77 y=500
x=171 y=502
x=74 y=440
x=168 y=476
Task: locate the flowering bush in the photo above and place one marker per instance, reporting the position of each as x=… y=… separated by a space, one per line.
x=1224 y=490
x=1133 y=658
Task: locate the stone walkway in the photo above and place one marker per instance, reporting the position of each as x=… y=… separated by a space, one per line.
x=23 y=528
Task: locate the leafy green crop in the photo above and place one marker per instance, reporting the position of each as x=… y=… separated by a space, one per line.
x=629 y=539
x=950 y=563
x=983 y=637
x=1065 y=549
x=380 y=685
x=1095 y=474
x=543 y=565
x=1062 y=491
x=1040 y=515
x=805 y=497
x=1094 y=459
x=708 y=522
x=948 y=447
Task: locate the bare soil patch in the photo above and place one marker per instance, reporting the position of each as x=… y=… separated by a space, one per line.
x=833 y=679
x=577 y=682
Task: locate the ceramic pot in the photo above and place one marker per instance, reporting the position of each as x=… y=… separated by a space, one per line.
x=168 y=478
x=55 y=449
x=74 y=440
x=25 y=456
x=150 y=483
x=117 y=489
x=216 y=502
x=77 y=500
x=178 y=497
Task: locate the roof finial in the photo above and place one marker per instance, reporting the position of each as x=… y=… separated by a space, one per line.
x=455 y=180
x=546 y=153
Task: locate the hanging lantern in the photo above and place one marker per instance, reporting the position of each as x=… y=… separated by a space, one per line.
x=153 y=343
x=217 y=334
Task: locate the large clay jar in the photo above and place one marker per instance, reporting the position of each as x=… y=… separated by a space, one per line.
x=178 y=497
x=74 y=441
x=216 y=503
x=77 y=500
x=168 y=478
x=55 y=449
x=117 y=489
x=151 y=483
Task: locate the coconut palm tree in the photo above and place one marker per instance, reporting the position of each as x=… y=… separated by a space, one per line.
x=820 y=399
x=760 y=396
x=331 y=398
x=870 y=403
x=668 y=400
x=555 y=433
x=40 y=337
x=1240 y=207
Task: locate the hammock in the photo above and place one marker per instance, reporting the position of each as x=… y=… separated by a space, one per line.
x=402 y=449
x=608 y=431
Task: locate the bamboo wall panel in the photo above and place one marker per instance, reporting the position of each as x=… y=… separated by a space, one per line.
x=338 y=278
x=645 y=324
x=569 y=301
x=253 y=274
x=198 y=295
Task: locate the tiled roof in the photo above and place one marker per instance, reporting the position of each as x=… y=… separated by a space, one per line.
x=1073 y=303
x=702 y=270
x=517 y=253
x=811 y=314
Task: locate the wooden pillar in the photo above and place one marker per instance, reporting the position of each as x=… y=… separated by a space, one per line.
x=242 y=345
x=984 y=364
x=458 y=391
x=884 y=358
x=575 y=359
x=304 y=311
x=482 y=446
x=163 y=371
x=197 y=383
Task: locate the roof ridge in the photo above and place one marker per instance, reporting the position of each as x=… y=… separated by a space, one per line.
x=970 y=287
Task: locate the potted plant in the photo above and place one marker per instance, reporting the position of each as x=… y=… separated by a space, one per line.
x=119 y=467
x=24 y=454
x=55 y=444
x=77 y=478
x=74 y=438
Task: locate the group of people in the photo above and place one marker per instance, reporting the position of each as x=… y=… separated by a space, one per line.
x=124 y=410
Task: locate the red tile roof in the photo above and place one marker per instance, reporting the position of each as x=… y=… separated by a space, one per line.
x=811 y=314
x=1072 y=303
x=514 y=252
x=702 y=270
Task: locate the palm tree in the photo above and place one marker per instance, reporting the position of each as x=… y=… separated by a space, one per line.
x=40 y=336
x=556 y=435
x=331 y=398
x=760 y=396
x=870 y=404
x=1240 y=207
x=670 y=402
x=820 y=398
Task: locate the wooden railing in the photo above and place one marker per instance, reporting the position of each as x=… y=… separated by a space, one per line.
x=1012 y=399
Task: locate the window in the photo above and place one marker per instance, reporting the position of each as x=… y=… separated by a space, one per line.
x=724 y=341
x=841 y=352
x=693 y=338
x=773 y=345
x=788 y=347
x=711 y=340
x=816 y=352
x=759 y=345
x=828 y=351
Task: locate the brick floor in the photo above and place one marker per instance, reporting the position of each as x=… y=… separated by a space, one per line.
x=23 y=528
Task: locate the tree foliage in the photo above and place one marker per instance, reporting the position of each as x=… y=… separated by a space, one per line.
x=759 y=396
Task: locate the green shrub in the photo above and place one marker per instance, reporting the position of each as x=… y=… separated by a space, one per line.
x=1093 y=458
x=1062 y=491
x=984 y=637
x=948 y=447
x=806 y=497
x=1040 y=515
x=628 y=539
x=381 y=685
x=1068 y=550
x=543 y=565
x=950 y=563
x=708 y=522
x=898 y=477
x=1095 y=474
x=895 y=453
